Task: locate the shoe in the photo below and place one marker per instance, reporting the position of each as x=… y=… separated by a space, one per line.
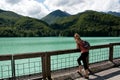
x=86 y=77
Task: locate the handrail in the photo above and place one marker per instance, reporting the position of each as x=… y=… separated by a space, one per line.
x=5 y=57
x=28 y=55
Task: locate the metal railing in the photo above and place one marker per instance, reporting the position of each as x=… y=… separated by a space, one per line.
x=44 y=63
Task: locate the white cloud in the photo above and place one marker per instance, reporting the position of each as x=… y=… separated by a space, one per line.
x=75 y=6
x=66 y=5
x=30 y=8
x=12 y=1
x=37 y=9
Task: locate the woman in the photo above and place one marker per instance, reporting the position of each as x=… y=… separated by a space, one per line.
x=84 y=55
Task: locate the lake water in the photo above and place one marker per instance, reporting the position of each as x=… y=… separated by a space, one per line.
x=43 y=44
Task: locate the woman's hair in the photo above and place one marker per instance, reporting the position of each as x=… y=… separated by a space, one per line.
x=76 y=35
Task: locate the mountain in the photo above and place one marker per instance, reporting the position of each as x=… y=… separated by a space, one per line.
x=53 y=16
x=8 y=18
x=9 y=14
x=14 y=25
x=88 y=23
x=114 y=13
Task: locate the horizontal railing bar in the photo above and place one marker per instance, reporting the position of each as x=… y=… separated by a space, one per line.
x=28 y=55
x=60 y=52
x=5 y=57
x=100 y=46
x=115 y=43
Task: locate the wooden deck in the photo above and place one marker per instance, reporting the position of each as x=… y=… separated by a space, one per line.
x=99 y=72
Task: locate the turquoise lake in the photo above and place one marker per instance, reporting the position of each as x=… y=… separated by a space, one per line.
x=41 y=44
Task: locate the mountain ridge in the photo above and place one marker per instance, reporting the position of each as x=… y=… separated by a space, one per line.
x=88 y=23
x=114 y=13
x=53 y=16
x=15 y=25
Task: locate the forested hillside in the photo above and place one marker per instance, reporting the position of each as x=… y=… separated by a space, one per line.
x=14 y=25
x=88 y=23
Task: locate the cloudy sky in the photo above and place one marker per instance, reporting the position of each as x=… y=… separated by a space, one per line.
x=40 y=8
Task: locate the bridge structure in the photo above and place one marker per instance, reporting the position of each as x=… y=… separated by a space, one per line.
x=57 y=65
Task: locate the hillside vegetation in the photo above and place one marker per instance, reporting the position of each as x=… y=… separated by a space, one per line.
x=88 y=23
x=14 y=25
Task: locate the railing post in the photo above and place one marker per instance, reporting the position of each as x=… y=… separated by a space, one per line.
x=111 y=52
x=48 y=66
x=13 y=68
x=44 y=68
